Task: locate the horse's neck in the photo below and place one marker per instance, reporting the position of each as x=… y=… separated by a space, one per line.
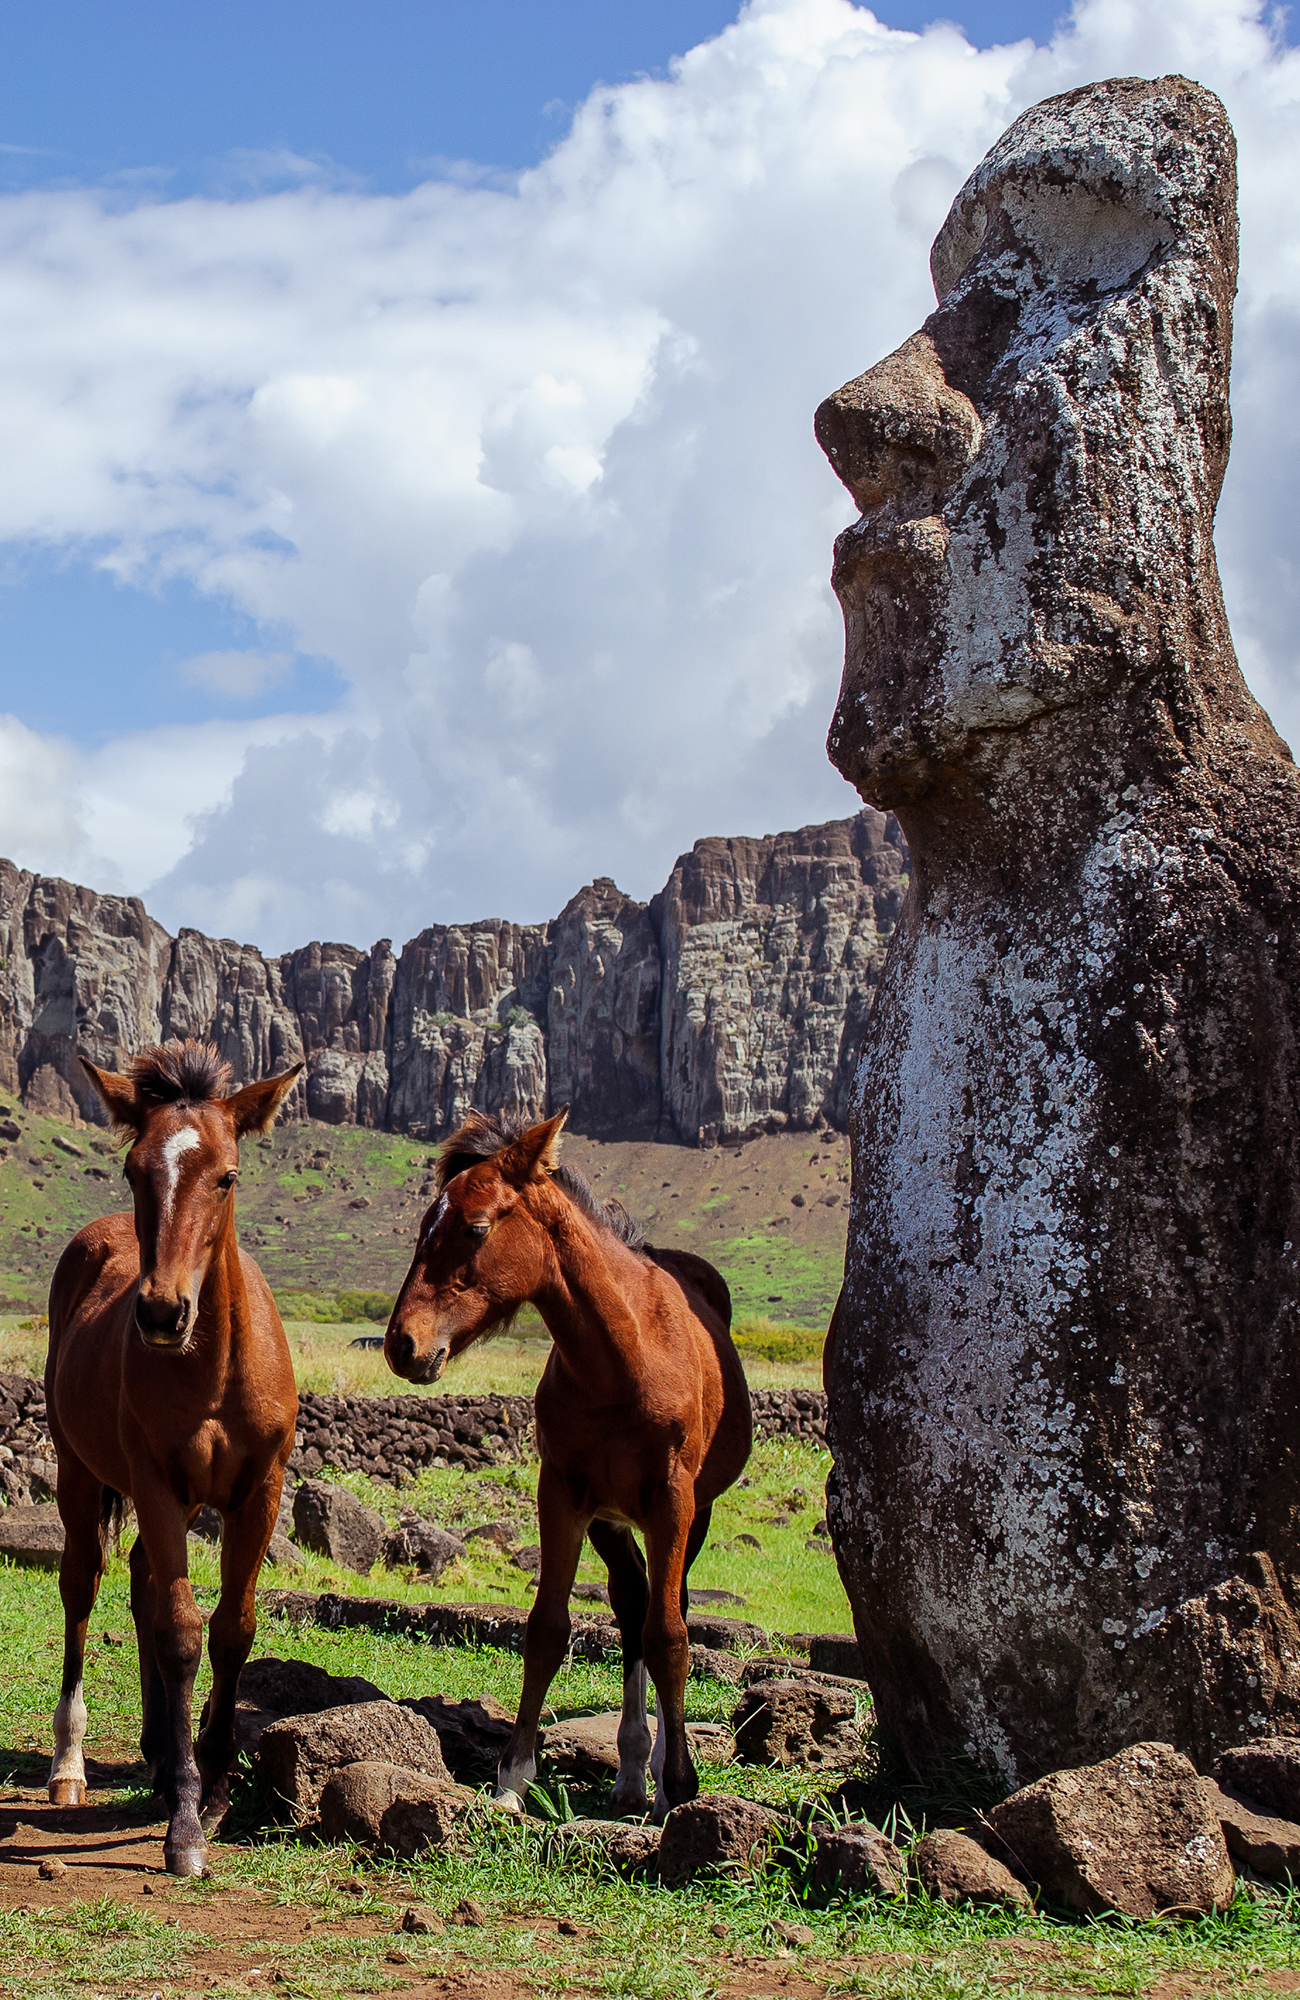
x=588 y=1314
x=224 y=1323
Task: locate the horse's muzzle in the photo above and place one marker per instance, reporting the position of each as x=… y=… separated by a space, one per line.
x=163 y=1322
x=405 y=1359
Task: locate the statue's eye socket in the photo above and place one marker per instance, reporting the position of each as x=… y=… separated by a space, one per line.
x=476 y=1231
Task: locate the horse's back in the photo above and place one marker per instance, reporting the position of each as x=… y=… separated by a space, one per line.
x=700 y=1280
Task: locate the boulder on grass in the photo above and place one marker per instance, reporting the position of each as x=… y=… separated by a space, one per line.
x=1256 y=1840
x=953 y=1868
x=281 y=1553
x=418 y=1544
x=793 y=1722
x=1266 y=1772
x=332 y=1522
x=716 y=1831
x=356 y=1802
x=31 y=1536
x=630 y=1849
x=269 y=1689
x=297 y=1755
x=586 y=1746
x=1134 y=1834
x=472 y=1734
x=857 y=1856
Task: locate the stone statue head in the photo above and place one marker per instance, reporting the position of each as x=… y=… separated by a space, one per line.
x=1038 y=466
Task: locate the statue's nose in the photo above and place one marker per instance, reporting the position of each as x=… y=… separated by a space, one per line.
x=900 y=433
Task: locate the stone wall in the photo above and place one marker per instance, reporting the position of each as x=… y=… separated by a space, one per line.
x=731 y=1004
x=389 y=1438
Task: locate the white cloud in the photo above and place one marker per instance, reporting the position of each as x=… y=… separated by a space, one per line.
x=532 y=462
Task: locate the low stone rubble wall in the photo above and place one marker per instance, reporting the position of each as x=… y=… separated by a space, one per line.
x=388 y=1438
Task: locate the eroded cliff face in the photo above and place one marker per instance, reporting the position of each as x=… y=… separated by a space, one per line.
x=731 y=1004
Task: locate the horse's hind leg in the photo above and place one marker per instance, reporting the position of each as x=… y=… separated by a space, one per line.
x=80 y=1571
x=674 y=1538
x=546 y=1638
x=629 y=1595
x=245 y=1538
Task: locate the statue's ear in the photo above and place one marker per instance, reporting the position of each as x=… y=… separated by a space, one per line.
x=256 y=1104
x=118 y=1095
x=535 y=1152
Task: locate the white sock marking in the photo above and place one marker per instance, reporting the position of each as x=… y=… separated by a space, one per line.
x=69 y=1731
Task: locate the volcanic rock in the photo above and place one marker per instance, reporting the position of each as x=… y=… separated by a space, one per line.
x=1135 y=1834
x=857 y=1856
x=1076 y=1116
x=296 y=1755
x=792 y=1722
x=717 y=1830
x=332 y=1522
x=1266 y=1772
x=472 y=1734
x=586 y=1746
x=1256 y=1840
x=32 y=1536
x=953 y=1868
x=420 y=1545
x=357 y=1804
x=627 y=1848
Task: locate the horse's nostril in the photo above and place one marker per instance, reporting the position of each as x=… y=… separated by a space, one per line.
x=161 y=1316
x=401 y=1350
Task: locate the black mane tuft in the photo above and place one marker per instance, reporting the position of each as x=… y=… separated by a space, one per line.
x=187 y=1072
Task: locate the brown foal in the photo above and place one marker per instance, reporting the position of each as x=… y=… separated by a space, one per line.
x=169 y=1384
x=642 y=1413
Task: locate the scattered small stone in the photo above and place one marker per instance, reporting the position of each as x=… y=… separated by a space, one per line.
x=567 y=1928
x=51 y=1869
x=332 y=1522
x=354 y=1886
x=715 y=1830
x=801 y=1935
x=953 y=1868
x=791 y=1722
x=499 y=1533
x=528 y=1559
x=32 y=1536
x=1270 y=1846
x=1266 y=1772
x=421 y=1922
x=468 y=1913
x=418 y=1544
x=114 y=1638
x=857 y=1856
x=624 y=1846
x=749 y=1542
x=147 y=1889
x=395 y=1957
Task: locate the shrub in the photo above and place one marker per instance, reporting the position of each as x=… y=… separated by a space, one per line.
x=769 y=1341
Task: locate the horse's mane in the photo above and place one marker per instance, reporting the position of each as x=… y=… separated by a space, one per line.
x=485 y=1133
x=187 y=1072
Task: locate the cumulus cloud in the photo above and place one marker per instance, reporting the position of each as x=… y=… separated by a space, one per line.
x=234 y=672
x=532 y=462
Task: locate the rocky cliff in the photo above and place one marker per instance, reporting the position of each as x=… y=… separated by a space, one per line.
x=731 y=1004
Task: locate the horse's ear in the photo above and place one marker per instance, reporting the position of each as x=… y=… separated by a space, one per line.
x=256 y=1104
x=118 y=1094
x=535 y=1152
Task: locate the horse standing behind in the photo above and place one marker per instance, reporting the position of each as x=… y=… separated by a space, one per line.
x=642 y=1413
x=169 y=1384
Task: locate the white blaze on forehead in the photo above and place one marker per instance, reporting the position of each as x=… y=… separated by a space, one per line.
x=182 y=1141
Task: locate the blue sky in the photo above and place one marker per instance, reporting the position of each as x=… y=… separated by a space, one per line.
x=408 y=503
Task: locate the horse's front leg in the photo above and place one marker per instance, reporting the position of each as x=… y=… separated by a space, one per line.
x=667 y=1645
x=244 y=1541
x=81 y=1569
x=546 y=1639
x=177 y=1650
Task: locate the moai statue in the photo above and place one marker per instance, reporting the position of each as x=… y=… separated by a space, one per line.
x=1064 y=1373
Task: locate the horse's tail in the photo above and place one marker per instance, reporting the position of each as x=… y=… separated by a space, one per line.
x=112 y=1516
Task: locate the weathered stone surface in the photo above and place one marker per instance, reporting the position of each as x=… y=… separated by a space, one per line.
x=296 y=1687
x=630 y=1849
x=1071 y=1271
x=953 y=1868
x=332 y=1522
x=32 y=1536
x=835 y=1653
x=716 y=1830
x=357 y=1800
x=1135 y=1834
x=297 y=1754
x=1266 y=1772
x=1256 y=1840
x=857 y=1856
x=472 y=1734
x=586 y=1746
x=792 y=1722
x=730 y=1004
x=421 y=1545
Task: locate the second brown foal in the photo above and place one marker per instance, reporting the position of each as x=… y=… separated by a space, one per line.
x=642 y=1413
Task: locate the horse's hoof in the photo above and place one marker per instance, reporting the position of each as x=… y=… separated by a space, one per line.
x=186 y=1860
x=509 y=1802
x=68 y=1792
x=629 y=1804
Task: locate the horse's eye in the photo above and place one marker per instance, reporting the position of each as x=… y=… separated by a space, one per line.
x=476 y=1231
x=227 y=1181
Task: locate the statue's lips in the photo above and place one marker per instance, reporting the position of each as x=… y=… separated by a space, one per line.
x=919 y=542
